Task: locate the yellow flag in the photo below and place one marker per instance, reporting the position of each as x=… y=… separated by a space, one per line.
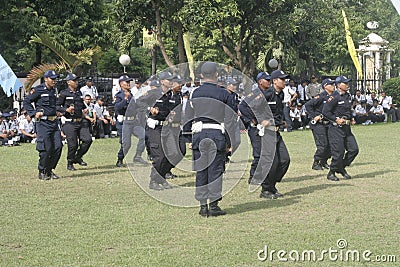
x=350 y=46
x=189 y=55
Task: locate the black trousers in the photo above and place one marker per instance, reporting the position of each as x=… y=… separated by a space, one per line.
x=344 y=147
x=256 y=148
x=48 y=144
x=78 y=139
x=209 y=153
x=320 y=133
x=279 y=167
x=161 y=164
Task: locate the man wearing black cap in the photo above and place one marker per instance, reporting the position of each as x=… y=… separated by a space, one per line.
x=70 y=105
x=49 y=141
x=127 y=122
x=251 y=121
x=231 y=87
x=320 y=125
x=337 y=109
x=208 y=108
x=281 y=160
x=160 y=116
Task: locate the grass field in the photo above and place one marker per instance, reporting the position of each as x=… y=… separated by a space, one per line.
x=97 y=216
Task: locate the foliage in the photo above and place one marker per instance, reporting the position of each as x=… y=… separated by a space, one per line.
x=307 y=37
x=392 y=88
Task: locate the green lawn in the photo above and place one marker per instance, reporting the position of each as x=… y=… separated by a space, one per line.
x=98 y=216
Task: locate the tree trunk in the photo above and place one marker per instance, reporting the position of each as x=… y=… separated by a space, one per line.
x=38 y=55
x=181 y=46
x=158 y=34
x=153 y=60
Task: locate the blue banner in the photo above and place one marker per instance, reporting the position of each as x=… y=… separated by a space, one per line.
x=8 y=80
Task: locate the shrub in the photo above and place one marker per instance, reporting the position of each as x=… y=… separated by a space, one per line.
x=392 y=88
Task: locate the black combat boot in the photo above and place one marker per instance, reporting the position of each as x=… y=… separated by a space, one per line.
x=203 y=210
x=345 y=174
x=331 y=176
x=70 y=166
x=119 y=163
x=316 y=166
x=324 y=164
x=215 y=210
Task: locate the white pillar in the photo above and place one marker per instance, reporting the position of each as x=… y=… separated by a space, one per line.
x=377 y=71
x=388 y=66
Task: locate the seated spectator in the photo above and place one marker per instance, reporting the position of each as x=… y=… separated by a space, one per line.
x=361 y=114
x=13 y=124
x=376 y=112
x=360 y=97
x=370 y=100
x=295 y=116
x=4 y=130
x=27 y=129
x=386 y=102
x=103 y=122
x=303 y=115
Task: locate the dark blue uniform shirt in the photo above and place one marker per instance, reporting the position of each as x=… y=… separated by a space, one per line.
x=338 y=106
x=121 y=104
x=253 y=107
x=68 y=98
x=45 y=99
x=206 y=110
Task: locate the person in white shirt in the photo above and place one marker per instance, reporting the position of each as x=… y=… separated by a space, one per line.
x=360 y=97
x=376 y=112
x=4 y=130
x=386 y=102
x=89 y=89
x=289 y=96
x=370 y=99
x=27 y=129
x=361 y=114
x=301 y=91
x=104 y=120
x=295 y=115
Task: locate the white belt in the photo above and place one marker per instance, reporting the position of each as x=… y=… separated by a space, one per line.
x=199 y=126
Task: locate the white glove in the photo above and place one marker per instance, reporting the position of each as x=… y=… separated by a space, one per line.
x=260 y=130
x=151 y=123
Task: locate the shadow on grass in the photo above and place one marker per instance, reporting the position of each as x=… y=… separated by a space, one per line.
x=261 y=205
x=100 y=167
x=304 y=177
x=83 y=173
x=310 y=189
x=362 y=163
x=371 y=174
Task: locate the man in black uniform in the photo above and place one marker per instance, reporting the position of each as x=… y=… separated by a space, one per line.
x=49 y=141
x=231 y=88
x=281 y=160
x=250 y=121
x=173 y=141
x=70 y=105
x=158 y=118
x=319 y=125
x=209 y=145
x=127 y=123
x=337 y=109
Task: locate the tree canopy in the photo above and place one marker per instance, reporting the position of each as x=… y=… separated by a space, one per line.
x=306 y=37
